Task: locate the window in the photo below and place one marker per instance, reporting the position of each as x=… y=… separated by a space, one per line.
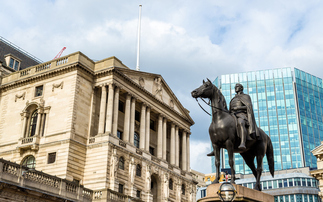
x=29 y=162
x=121 y=163
x=136 y=140
x=119 y=134
x=152 y=151
x=138 y=194
x=183 y=189
x=51 y=158
x=121 y=106
x=33 y=124
x=39 y=91
x=11 y=62
x=137 y=116
x=120 y=189
x=138 y=170
x=170 y=184
x=152 y=125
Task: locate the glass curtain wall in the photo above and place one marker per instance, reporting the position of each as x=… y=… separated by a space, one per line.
x=273 y=100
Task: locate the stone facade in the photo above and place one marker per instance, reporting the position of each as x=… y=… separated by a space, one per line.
x=318 y=173
x=105 y=126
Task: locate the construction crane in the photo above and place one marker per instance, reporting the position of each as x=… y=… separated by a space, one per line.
x=59 y=54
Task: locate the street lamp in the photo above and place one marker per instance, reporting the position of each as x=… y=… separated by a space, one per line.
x=227 y=192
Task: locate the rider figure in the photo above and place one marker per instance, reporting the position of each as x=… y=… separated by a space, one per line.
x=241 y=108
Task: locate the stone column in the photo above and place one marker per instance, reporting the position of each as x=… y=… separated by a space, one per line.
x=142 y=127
x=188 y=151
x=38 y=122
x=147 y=129
x=132 y=120
x=108 y=124
x=176 y=146
x=127 y=119
x=172 y=144
x=164 y=138
x=160 y=137
x=24 y=124
x=184 y=156
x=102 y=108
x=115 y=111
x=42 y=125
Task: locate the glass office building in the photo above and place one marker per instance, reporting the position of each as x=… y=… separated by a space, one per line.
x=288 y=105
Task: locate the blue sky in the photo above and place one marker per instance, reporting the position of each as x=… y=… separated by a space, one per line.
x=185 y=41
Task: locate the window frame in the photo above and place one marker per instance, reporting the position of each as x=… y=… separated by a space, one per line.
x=32 y=125
x=36 y=91
x=136 y=140
x=121 y=163
x=138 y=170
x=25 y=163
x=48 y=157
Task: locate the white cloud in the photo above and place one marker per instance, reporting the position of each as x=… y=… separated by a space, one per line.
x=199 y=161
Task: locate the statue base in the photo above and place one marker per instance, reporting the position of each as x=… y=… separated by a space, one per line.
x=243 y=194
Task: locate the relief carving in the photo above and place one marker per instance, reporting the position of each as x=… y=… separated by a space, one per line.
x=20 y=96
x=158 y=88
x=142 y=82
x=60 y=85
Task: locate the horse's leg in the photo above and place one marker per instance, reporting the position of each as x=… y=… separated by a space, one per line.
x=260 y=156
x=216 y=150
x=229 y=146
x=249 y=159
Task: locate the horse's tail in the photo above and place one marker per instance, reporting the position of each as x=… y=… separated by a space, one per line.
x=270 y=156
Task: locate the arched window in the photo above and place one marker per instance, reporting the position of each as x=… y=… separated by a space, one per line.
x=183 y=189
x=33 y=123
x=136 y=140
x=171 y=184
x=121 y=163
x=138 y=170
x=29 y=162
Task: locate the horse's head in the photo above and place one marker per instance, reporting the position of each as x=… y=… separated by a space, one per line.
x=204 y=91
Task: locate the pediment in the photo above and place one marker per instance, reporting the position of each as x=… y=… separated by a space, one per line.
x=318 y=151
x=157 y=87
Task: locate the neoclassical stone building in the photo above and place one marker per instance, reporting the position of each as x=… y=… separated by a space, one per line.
x=117 y=131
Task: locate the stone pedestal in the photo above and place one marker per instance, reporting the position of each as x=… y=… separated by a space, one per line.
x=243 y=194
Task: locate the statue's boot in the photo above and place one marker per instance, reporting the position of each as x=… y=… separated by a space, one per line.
x=242 y=146
x=210 y=154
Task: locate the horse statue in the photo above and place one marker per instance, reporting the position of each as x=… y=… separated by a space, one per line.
x=223 y=134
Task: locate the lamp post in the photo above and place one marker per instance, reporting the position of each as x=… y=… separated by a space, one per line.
x=227 y=192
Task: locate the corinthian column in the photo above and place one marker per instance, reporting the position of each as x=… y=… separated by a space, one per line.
x=142 y=126
x=24 y=124
x=172 y=144
x=184 y=151
x=176 y=146
x=127 y=119
x=132 y=120
x=115 y=112
x=102 y=109
x=160 y=137
x=108 y=125
x=147 y=129
x=164 y=139
x=188 y=151
x=38 y=123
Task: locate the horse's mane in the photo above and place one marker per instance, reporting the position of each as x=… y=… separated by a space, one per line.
x=221 y=99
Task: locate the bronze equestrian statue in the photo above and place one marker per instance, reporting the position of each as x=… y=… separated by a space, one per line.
x=236 y=131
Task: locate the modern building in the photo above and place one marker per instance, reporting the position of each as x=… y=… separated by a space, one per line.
x=118 y=132
x=288 y=105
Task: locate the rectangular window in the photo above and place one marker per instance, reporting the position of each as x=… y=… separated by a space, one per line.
x=137 y=116
x=51 y=158
x=152 y=151
x=121 y=106
x=120 y=189
x=11 y=62
x=16 y=65
x=119 y=134
x=39 y=91
x=152 y=125
x=138 y=194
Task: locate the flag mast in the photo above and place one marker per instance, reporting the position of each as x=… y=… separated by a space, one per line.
x=138 y=40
